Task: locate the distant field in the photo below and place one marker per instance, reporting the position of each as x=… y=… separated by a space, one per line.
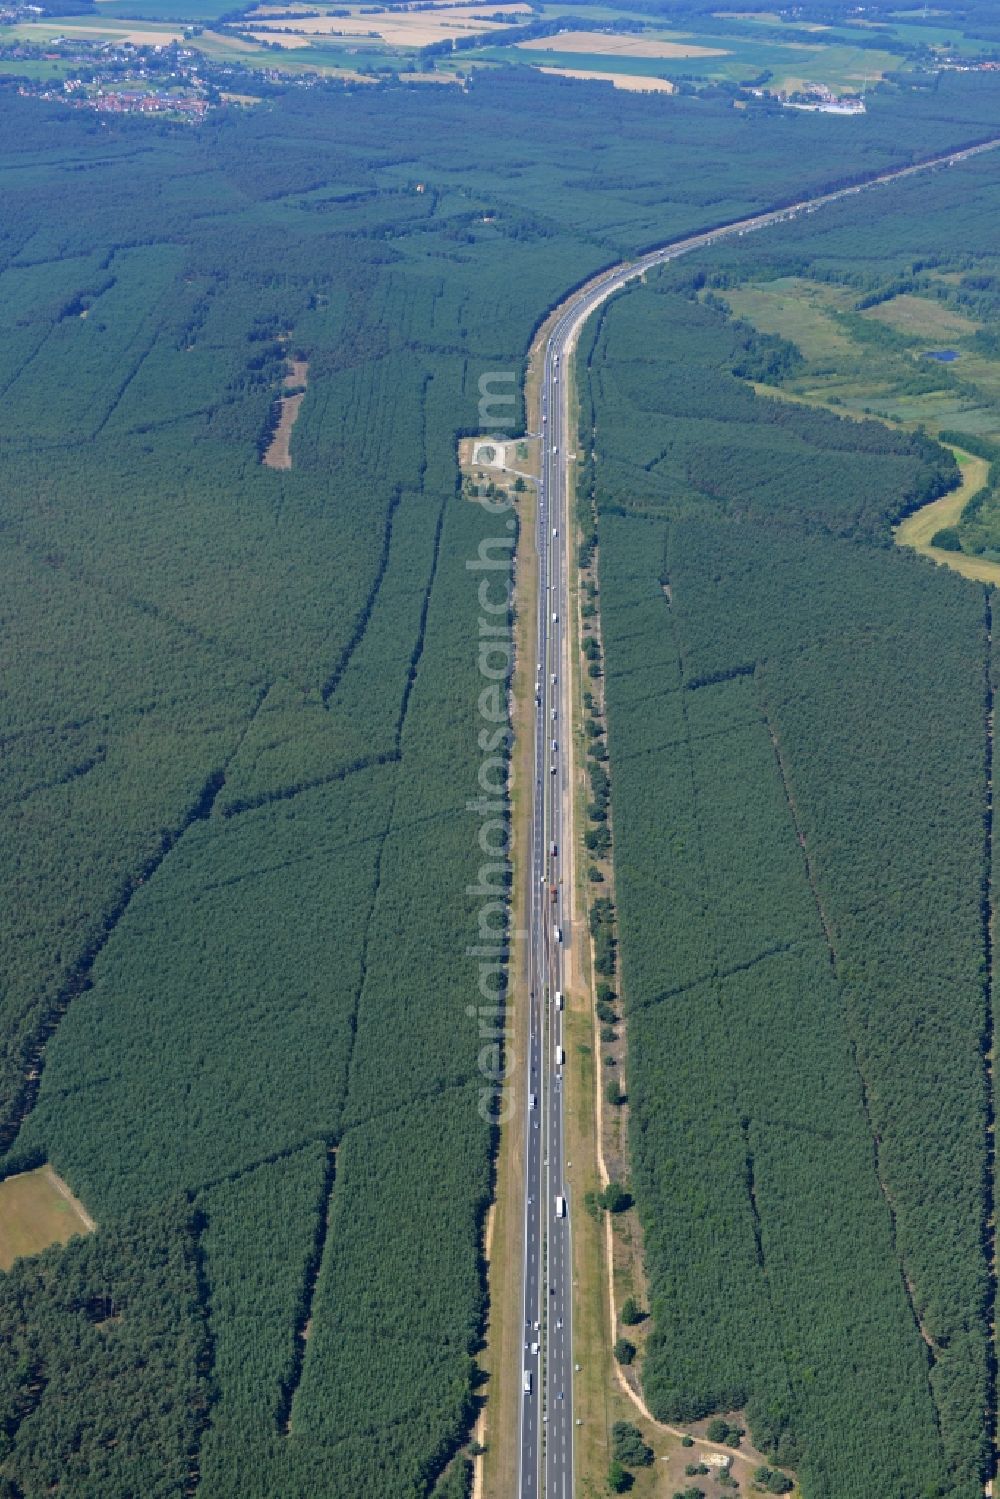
x=324 y=41
x=618 y=46
x=145 y=33
x=37 y=1209
x=631 y=81
x=922 y=316
x=36 y=68
x=198 y=12
x=397 y=28
x=838 y=65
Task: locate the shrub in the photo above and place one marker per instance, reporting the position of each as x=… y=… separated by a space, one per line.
x=773 y=1481
x=620 y=1479
x=628 y=1446
x=615 y=1199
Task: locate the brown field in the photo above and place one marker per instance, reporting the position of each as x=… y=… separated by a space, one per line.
x=398 y=28
x=634 y=81
x=38 y=1209
x=617 y=46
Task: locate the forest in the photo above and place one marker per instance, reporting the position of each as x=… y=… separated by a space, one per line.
x=804 y=935
x=239 y=720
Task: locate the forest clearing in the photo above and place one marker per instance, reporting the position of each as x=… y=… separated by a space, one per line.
x=37 y=1209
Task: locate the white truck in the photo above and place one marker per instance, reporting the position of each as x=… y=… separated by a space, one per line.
x=559 y=999
x=560 y=1057
x=527 y=1381
x=560 y=1207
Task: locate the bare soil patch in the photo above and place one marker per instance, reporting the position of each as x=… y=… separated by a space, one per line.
x=278 y=454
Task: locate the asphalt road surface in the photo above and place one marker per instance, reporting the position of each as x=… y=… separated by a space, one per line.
x=547 y=1420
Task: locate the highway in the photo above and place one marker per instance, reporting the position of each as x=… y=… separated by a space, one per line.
x=547 y=1412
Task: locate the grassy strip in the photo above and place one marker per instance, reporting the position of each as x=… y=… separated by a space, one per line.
x=496 y=1471
x=917 y=530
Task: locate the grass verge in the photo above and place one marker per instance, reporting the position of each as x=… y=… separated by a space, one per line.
x=500 y=1360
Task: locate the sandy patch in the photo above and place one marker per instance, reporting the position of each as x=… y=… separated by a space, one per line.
x=278 y=454
x=631 y=81
x=617 y=46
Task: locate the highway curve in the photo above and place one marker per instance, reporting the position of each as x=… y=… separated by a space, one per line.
x=546 y=1375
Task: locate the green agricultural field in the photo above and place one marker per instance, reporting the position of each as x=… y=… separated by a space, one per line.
x=42 y=69
x=732 y=59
